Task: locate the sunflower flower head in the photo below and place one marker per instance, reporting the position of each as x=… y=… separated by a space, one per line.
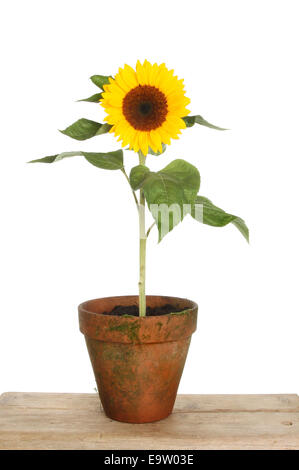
x=145 y=106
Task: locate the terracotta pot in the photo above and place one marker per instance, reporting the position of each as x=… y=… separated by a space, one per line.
x=137 y=361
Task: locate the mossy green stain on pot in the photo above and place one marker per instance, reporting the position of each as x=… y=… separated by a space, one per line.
x=112 y=353
x=128 y=328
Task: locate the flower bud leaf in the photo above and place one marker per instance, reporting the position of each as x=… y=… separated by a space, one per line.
x=100 y=80
x=93 y=99
x=191 y=120
x=85 y=129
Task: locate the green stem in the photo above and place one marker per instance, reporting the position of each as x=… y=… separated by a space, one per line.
x=142 y=247
x=148 y=232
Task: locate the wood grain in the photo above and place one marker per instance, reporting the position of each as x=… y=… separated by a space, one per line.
x=76 y=421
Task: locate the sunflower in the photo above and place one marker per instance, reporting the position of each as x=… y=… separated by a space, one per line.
x=145 y=107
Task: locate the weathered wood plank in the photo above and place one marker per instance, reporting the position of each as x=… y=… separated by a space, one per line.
x=191 y=403
x=75 y=421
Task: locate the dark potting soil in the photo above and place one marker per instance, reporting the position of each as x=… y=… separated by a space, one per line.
x=120 y=310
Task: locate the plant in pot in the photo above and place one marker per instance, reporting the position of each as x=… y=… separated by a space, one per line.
x=138 y=344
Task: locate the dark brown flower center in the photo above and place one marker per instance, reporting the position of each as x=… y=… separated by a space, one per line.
x=145 y=107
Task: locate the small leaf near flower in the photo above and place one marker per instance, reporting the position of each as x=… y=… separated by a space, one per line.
x=93 y=99
x=151 y=152
x=216 y=217
x=100 y=80
x=106 y=161
x=191 y=120
x=85 y=129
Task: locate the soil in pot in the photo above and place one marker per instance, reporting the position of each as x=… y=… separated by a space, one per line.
x=133 y=310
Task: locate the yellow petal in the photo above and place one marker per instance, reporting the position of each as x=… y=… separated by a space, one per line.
x=129 y=76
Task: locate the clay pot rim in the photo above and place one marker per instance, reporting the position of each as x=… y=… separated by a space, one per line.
x=191 y=308
x=130 y=329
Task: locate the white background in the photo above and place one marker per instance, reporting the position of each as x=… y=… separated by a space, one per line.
x=69 y=230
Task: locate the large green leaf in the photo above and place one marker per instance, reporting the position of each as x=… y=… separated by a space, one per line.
x=100 y=80
x=85 y=129
x=191 y=120
x=167 y=192
x=204 y=211
x=93 y=99
x=106 y=161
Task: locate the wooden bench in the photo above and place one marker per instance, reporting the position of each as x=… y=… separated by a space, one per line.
x=76 y=421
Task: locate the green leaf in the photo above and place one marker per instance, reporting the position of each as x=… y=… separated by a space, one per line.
x=85 y=129
x=204 y=211
x=104 y=129
x=106 y=161
x=242 y=227
x=167 y=192
x=93 y=99
x=100 y=80
x=151 y=152
x=49 y=159
x=191 y=120
x=55 y=158
x=138 y=175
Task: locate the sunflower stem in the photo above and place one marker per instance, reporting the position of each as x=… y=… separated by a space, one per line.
x=149 y=230
x=142 y=246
